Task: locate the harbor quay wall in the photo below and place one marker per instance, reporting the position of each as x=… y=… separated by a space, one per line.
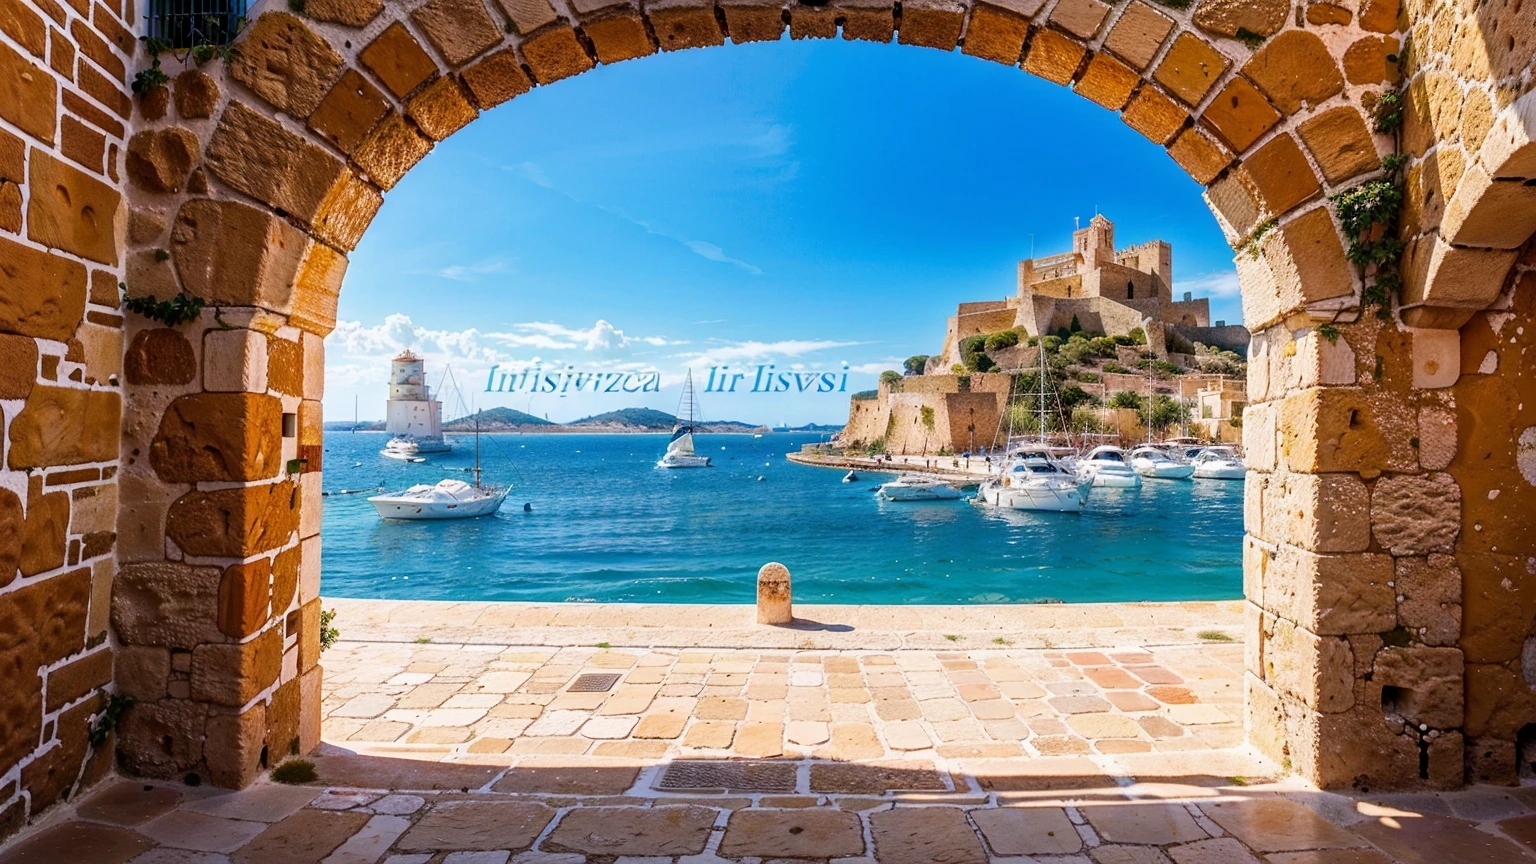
x=159 y=498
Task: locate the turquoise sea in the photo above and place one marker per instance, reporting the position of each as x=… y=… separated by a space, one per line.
x=605 y=525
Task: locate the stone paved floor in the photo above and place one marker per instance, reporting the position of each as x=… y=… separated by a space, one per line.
x=485 y=753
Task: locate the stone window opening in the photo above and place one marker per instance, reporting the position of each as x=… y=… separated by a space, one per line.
x=290 y=425
x=1130 y=290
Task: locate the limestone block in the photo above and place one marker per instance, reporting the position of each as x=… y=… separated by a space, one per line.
x=103 y=574
x=1379 y=16
x=166 y=604
x=233 y=675
x=141 y=671
x=1307 y=257
x=458 y=29
x=1108 y=82
x=1321 y=361
x=398 y=60
x=1317 y=671
x=619 y=37
x=1339 y=141
x=1138 y=33
x=18 y=366
x=1326 y=429
x=346 y=211
x=1437 y=438
x=257 y=156
x=1281 y=174
x=1197 y=153
x=441 y=109
x=752 y=20
x=65 y=426
x=873 y=20
x=309 y=569
x=393 y=148
x=1226 y=17
x=1153 y=115
x=529 y=15
x=245 y=598
x=1262 y=302
x=1430 y=607
x=234 y=361
x=931 y=24
x=309 y=635
x=1259 y=436
x=1331 y=594
x=44 y=533
x=812 y=22
x=1497 y=214
x=159 y=160
x=284 y=62
x=1235 y=203
x=1499 y=702
x=93 y=509
x=141 y=528
x=680 y=24
x=285 y=578
x=196 y=94
x=234 y=747
x=1416 y=515
x=1240 y=114
x=1436 y=358
x=1426 y=685
x=1319 y=512
x=71 y=210
x=309 y=514
x=317 y=289
x=555 y=54
x=774 y=596
x=1190 y=68
x=28 y=98
x=1294 y=70
x=996 y=34
x=1365 y=61
x=1081 y=18
x=351 y=109
x=146 y=728
x=309 y=710
x=1264 y=718
x=1509 y=150
x=219 y=436
x=103 y=348
x=1253 y=505
x=313 y=374
x=234 y=523
x=1054 y=57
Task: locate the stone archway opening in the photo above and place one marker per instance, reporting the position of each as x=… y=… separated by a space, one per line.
x=1387 y=544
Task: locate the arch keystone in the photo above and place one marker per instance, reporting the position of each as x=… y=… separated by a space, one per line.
x=460 y=30
x=1295 y=69
x=680 y=24
x=931 y=23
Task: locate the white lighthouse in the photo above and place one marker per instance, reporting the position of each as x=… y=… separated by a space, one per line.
x=413 y=418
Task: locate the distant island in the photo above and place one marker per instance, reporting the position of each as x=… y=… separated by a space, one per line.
x=503 y=420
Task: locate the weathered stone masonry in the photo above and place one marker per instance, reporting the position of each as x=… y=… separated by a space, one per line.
x=1388 y=564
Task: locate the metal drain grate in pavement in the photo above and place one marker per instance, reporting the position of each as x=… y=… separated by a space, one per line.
x=731 y=776
x=595 y=682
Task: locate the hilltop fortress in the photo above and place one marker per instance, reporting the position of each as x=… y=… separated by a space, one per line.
x=1109 y=292
x=1134 y=336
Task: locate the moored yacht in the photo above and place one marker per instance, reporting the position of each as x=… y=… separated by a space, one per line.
x=447 y=499
x=918 y=487
x=1031 y=480
x=680 y=453
x=1219 y=463
x=1107 y=466
x=1149 y=461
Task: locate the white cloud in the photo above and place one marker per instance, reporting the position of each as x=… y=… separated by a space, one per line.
x=471 y=272
x=1221 y=284
x=715 y=253
x=726 y=353
x=602 y=337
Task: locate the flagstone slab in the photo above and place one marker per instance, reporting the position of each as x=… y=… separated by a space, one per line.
x=1149 y=824
x=1028 y=831
x=1277 y=825
x=78 y=842
x=556 y=776
x=925 y=835
x=129 y=803
x=400 y=772
x=1438 y=840
x=477 y=826
x=655 y=831
x=308 y=835
x=266 y=803
x=799 y=833
x=180 y=829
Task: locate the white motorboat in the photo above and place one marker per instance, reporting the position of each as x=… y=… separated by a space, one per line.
x=918 y=487
x=448 y=499
x=409 y=448
x=1032 y=480
x=680 y=453
x=1149 y=461
x=1107 y=466
x=1219 y=463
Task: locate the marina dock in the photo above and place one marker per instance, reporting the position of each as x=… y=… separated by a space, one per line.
x=968 y=471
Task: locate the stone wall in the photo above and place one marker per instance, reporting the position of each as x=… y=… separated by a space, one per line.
x=248 y=181
x=64 y=112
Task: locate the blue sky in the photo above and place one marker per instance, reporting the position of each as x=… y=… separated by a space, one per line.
x=807 y=204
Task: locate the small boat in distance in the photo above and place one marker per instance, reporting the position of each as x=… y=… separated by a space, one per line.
x=680 y=452
x=448 y=499
x=918 y=487
x=1219 y=463
x=850 y=477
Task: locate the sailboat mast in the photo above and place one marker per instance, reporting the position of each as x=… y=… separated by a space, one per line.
x=1042 y=390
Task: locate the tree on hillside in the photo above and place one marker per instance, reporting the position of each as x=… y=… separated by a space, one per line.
x=891 y=379
x=915 y=364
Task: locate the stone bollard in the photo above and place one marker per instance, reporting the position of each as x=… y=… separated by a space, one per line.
x=773 y=595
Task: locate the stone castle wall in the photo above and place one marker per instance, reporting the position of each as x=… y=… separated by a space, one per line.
x=161 y=523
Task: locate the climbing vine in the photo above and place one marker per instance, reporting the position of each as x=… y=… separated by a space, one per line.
x=107 y=720
x=217 y=43
x=172 y=313
x=1369 y=212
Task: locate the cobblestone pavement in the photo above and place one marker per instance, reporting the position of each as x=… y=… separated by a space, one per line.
x=485 y=754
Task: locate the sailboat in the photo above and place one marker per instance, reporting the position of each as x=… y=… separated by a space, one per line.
x=680 y=449
x=1030 y=477
x=447 y=499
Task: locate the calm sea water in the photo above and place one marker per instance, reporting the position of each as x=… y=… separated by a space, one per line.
x=607 y=526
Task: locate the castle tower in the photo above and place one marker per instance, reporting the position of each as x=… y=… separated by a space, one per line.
x=412 y=410
x=1096 y=243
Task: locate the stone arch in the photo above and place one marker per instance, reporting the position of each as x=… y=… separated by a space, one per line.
x=251 y=186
